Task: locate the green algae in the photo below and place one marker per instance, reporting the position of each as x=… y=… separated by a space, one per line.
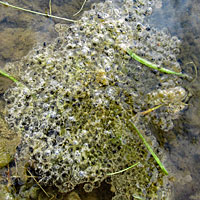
x=5 y=158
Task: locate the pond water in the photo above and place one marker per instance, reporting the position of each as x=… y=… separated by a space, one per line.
x=20 y=32
x=181 y=17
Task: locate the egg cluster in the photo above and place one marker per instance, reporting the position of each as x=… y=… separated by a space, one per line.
x=80 y=94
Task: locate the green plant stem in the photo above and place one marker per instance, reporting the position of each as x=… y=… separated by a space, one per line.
x=8 y=76
x=150 y=149
x=154 y=66
x=38 y=183
x=123 y=170
x=35 y=12
x=12 y=78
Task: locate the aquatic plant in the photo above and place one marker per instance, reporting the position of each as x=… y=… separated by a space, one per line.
x=153 y=66
x=8 y=76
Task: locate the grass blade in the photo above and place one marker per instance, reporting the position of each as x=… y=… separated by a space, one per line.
x=154 y=66
x=8 y=76
x=80 y=8
x=123 y=170
x=12 y=78
x=150 y=149
x=138 y=197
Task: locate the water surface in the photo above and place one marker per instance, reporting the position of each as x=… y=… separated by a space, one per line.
x=182 y=18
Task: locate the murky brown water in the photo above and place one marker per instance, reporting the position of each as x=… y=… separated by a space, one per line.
x=20 y=32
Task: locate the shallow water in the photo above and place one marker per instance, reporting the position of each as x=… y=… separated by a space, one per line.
x=20 y=32
x=181 y=17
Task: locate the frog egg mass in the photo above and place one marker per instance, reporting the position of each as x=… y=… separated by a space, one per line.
x=83 y=89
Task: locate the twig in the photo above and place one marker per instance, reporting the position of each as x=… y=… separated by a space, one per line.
x=38 y=183
x=35 y=12
x=150 y=149
x=16 y=166
x=123 y=170
x=80 y=8
x=8 y=177
x=154 y=66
